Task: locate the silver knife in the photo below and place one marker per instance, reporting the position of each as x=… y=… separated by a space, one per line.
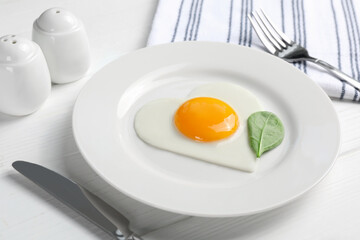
x=79 y=199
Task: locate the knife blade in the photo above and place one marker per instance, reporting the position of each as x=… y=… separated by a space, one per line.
x=79 y=199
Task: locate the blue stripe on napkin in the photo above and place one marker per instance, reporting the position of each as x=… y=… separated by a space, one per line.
x=177 y=21
x=199 y=20
x=230 y=20
x=342 y=93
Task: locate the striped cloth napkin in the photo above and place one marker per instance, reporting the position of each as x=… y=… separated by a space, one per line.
x=329 y=29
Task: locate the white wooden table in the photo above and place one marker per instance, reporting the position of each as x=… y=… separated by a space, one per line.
x=329 y=211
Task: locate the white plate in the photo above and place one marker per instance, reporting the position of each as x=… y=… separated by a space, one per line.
x=103 y=128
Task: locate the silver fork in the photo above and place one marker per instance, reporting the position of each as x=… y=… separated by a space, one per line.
x=278 y=44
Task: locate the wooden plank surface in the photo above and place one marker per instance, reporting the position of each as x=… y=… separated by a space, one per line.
x=330 y=211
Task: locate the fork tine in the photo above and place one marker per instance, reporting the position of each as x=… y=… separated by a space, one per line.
x=280 y=33
x=265 y=31
x=271 y=30
x=270 y=47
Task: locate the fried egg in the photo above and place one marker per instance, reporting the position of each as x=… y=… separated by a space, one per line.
x=209 y=125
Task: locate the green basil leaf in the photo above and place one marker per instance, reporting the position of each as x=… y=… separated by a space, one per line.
x=266 y=131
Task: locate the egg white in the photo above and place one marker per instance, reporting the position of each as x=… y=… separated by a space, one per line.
x=154 y=124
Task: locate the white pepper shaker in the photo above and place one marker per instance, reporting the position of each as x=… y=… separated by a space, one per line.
x=24 y=76
x=64 y=42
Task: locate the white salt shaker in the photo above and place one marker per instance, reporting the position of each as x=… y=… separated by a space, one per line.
x=24 y=76
x=64 y=42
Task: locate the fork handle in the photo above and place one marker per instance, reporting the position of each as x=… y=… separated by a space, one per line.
x=336 y=72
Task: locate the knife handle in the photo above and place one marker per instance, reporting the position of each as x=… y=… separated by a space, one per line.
x=123 y=232
x=131 y=237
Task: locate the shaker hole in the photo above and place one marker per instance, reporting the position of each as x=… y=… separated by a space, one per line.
x=57 y=11
x=12 y=35
x=14 y=42
x=5 y=40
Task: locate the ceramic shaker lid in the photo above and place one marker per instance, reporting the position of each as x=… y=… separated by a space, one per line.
x=14 y=49
x=57 y=20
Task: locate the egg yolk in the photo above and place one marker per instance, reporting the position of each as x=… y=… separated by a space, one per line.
x=206 y=119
